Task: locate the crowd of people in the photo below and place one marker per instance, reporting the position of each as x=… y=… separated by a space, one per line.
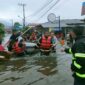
x=16 y=43
x=48 y=40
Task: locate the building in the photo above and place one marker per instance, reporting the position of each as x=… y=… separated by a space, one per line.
x=65 y=25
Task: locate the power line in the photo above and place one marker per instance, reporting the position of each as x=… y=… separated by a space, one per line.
x=42 y=8
x=49 y=9
x=64 y=1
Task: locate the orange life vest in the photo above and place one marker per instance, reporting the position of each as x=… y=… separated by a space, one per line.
x=46 y=43
x=2 y=48
x=33 y=37
x=17 y=49
x=62 y=42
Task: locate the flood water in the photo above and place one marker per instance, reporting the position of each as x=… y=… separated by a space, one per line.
x=37 y=70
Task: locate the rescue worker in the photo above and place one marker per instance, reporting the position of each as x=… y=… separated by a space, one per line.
x=54 y=41
x=6 y=54
x=71 y=40
x=1 y=47
x=62 y=41
x=45 y=42
x=19 y=47
x=33 y=37
x=12 y=39
x=78 y=52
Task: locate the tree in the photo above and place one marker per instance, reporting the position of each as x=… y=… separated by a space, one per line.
x=2 y=30
x=17 y=25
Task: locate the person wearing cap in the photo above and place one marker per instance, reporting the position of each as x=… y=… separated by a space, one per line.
x=78 y=53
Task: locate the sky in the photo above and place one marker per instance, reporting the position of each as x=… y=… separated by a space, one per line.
x=66 y=9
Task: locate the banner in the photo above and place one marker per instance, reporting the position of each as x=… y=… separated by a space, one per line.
x=83 y=9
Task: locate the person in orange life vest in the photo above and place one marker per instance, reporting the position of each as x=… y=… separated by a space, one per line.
x=3 y=52
x=12 y=39
x=19 y=47
x=54 y=41
x=45 y=42
x=62 y=41
x=1 y=47
x=33 y=36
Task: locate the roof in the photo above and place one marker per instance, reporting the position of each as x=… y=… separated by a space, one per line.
x=63 y=23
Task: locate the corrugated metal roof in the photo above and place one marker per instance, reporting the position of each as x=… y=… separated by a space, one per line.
x=63 y=23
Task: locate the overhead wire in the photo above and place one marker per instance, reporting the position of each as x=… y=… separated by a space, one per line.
x=51 y=8
x=63 y=1
x=42 y=8
x=48 y=9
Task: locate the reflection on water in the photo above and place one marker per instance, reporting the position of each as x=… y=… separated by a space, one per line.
x=35 y=81
x=17 y=64
x=2 y=67
x=14 y=65
x=48 y=65
x=11 y=78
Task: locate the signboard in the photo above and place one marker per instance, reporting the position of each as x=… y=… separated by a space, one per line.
x=83 y=9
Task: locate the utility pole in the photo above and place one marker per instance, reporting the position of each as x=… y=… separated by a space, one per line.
x=12 y=23
x=23 y=6
x=59 y=24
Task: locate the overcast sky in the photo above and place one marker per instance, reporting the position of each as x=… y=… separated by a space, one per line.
x=67 y=9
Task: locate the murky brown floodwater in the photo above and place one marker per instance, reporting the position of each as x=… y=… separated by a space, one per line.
x=37 y=70
x=34 y=69
x=46 y=65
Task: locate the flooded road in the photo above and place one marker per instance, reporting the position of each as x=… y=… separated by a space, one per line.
x=37 y=70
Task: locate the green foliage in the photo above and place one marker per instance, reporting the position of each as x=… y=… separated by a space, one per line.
x=23 y=30
x=14 y=30
x=16 y=24
x=2 y=30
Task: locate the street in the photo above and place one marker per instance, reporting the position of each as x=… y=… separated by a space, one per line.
x=34 y=36
x=37 y=70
